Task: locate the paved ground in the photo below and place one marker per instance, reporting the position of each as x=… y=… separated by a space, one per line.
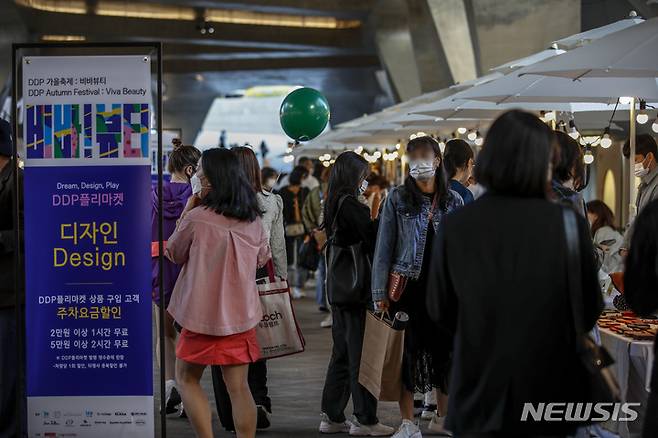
x=295 y=384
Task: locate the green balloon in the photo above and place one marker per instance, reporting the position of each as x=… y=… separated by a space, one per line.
x=304 y=114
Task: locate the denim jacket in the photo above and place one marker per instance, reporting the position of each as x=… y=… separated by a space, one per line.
x=401 y=238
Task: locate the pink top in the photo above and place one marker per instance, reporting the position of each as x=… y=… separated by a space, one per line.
x=215 y=293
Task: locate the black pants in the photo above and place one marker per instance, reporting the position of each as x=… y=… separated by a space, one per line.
x=257 y=383
x=343 y=373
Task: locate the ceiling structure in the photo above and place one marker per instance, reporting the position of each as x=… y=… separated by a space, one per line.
x=362 y=54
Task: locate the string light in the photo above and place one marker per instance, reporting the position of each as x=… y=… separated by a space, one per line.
x=462 y=130
x=642 y=116
x=588 y=158
x=654 y=127
x=479 y=141
x=472 y=135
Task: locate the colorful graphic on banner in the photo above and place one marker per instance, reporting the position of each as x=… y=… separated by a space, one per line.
x=88 y=275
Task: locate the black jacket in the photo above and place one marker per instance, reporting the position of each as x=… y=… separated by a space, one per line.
x=7 y=240
x=354 y=224
x=498 y=283
x=288 y=198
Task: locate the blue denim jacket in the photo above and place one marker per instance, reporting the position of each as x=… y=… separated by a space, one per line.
x=401 y=238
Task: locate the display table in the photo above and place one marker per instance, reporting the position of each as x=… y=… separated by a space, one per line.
x=626 y=338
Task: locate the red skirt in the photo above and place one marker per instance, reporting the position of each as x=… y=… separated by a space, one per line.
x=238 y=349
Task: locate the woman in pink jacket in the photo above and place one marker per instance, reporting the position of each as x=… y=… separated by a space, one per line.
x=220 y=244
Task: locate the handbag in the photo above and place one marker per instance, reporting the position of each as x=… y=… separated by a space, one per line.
x=348 y=270
x=295 y=230
x=397 y=282
x=603 y=386
x=380 y=370
x=308 y=256
x=278 y=332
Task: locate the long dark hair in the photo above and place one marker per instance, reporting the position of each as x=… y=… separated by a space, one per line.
x=346 y=174
x=515 y=156
x=412 y=195
x=249 y=163
x=456 y=156
x=230 y=192
x=604 y=216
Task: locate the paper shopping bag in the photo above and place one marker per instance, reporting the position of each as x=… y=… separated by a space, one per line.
x=381 y=358
x=278 y=333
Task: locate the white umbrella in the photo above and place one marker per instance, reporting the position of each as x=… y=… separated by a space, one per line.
x=528 y=60
x=579 y=39
x=455 y=107
x=621 y=57
x=531 y=88
x=630 y=52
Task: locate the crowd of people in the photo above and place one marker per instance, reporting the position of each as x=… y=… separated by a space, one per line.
x=474 y=249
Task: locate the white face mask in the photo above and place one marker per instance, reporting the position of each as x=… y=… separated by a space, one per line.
x=640 y=171
x=422 y=169
x=364 y=186
x=196 y=184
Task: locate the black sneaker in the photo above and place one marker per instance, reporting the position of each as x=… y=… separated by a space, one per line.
x=263 y=417
x=173 y=401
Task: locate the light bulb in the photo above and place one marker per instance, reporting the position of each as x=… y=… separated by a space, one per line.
x=625 y=100
x=588 y=158
x=606 y=141
x=472 y=135
x=642 y=116
x=461 y=130
x=479 y=141
x=654 y=127
x=397 y=146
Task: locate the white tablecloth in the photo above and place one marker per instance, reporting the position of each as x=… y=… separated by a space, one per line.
x=633 y=365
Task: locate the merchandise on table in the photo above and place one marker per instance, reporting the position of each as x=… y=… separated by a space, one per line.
x=628 y=324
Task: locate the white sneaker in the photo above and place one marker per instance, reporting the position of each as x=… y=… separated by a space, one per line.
x=437 y=426
x=378 y=429
x=327 y=322
x=328 y=426
x=428 y=412
x=408 y=429
x=297 y=293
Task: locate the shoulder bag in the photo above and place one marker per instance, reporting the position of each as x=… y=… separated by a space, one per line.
x=602 y=385
x=348 y=270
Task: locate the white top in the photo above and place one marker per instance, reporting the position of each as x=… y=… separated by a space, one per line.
x=272 y=206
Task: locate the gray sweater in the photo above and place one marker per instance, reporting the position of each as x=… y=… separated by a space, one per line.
x=272 y=206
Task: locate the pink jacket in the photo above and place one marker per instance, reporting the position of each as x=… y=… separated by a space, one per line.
x=215 y=293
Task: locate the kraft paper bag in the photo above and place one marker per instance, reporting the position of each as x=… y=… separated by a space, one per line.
x=278 y=332
x=381 y=358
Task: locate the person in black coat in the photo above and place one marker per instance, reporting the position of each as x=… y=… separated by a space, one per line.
x=8 y=252
x=641 y=293
x=347 y=222
x=499 y=285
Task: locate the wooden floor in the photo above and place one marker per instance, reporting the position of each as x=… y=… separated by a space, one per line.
x=295 y=385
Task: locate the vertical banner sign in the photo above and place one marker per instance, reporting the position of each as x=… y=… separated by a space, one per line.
x=86 y=124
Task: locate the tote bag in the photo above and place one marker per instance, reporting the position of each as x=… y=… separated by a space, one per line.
x=278 y=332
x=381 y=358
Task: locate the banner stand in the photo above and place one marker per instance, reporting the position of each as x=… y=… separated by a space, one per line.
x=98 y=50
